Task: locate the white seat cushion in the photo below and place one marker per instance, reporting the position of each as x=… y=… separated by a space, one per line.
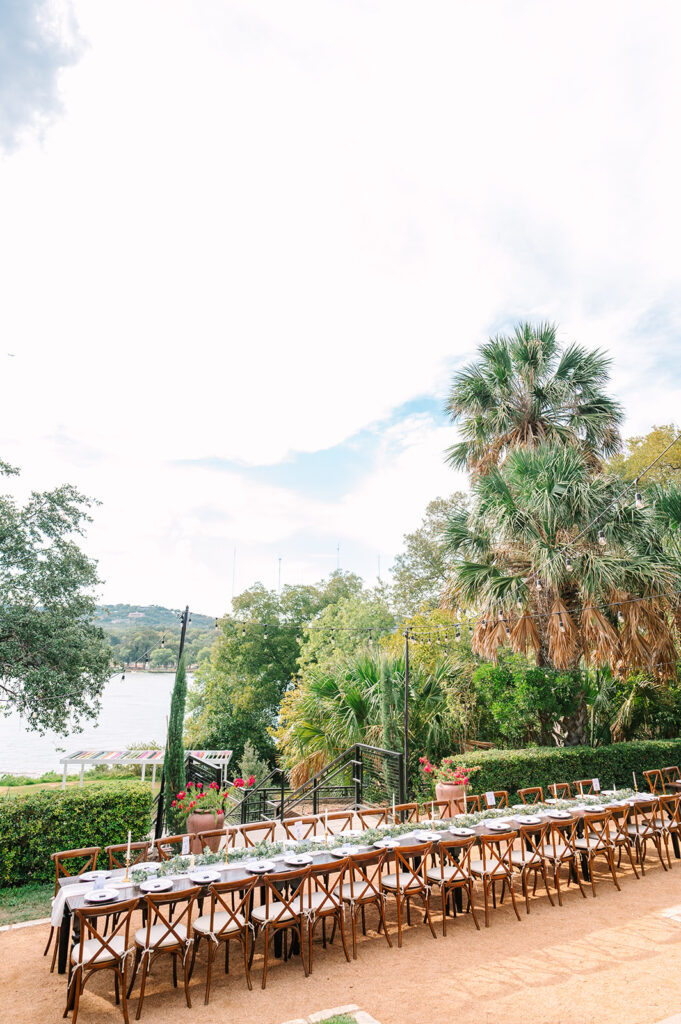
x=359 y=891
x=435 y=875
x=223 y=923
x=89 y=948
x=406 y=881
x=591 y=844
x=496 y=869
x=157 y=933
x=261 y=914
x=318 y=898
x=526 y=859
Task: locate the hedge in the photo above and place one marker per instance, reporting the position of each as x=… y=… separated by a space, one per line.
x=539 y=766
x=34 y=826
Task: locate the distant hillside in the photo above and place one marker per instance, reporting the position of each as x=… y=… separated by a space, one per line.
x=121 y=617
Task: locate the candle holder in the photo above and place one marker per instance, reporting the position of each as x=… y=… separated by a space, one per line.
x=127 y=870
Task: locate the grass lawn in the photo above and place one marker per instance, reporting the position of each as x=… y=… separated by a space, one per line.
x=26 y=902
x=342 y=1018
x=38 y=786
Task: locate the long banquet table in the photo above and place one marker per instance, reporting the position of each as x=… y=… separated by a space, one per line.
x=238 y=870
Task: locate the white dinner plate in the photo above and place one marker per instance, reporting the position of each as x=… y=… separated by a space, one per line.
x=343 y=851
x=156 y=885
x=461 y=831
x=296 y=859
x=559 y=814
x=528 y=819
x=261 y=867
x=499 y=826
x=386 y=844
x=92 y=876
x=102 y=896
x=203 y=876
x=427 y=837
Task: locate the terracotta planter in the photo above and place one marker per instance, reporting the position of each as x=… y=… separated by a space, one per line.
x=448 y=791
x=205 y=823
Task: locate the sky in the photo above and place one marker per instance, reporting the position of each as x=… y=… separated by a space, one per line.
x=245 y=245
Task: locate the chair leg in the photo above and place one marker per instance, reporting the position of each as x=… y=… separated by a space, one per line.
x=445 y=899
x=631 y=860
x=399 y=922
x=342 y=931
x=381 y=911
x=174 y=955
x=546 y=884
x=426 y=900
x=247 y=968
x=515 y=905
x=611 y=862
x=266 y=933
x=49 y=940
x=145 y=971
x=485 y=890
x=185 y=972
x=591 y=875
x=79 y=985
x=209 y=970
x=471 y=904
x=138 y=956
x=54 y=953
x=124 y=998
x=523 y=882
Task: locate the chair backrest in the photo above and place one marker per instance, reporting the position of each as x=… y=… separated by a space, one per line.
x=411 y=860
x=437 y=809
x=531 y=795
x=597 y=830
x=672 y=774
x=563 y=838
x=500 y=798
x=472 y=803
x=455 y=854
x=308 y=826
x=560 y=790
x=404 y=813
x=533 y=839
x=234 y=900
x=227 y=837
x=584 y=787
x=283 y=896
x=670 y=809
x=371 y=817
x=63 y=866
x=88 y=920
x=336 y=821
x=139 y=852
x=618 y=825
x=364 y=875
x=496 y=853
x=257 y=832
x=655 y=780
x=645 y=814
x=171 y=846
x=169 y=910
x=325 y=887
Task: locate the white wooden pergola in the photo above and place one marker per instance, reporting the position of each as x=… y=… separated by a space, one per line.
x=145 y=758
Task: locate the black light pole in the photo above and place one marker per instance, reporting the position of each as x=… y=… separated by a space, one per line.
x=406 y=714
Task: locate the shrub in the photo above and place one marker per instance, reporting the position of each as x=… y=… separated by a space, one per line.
x=540 y=766
x=34 y=826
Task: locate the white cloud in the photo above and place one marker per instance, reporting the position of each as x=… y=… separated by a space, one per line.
x=257 y=230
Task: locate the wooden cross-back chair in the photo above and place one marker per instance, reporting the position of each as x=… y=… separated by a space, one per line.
x=227 y=919
x=87 y=861
x=454 y=873
x=226 y=837
x=500 y=798
x=531 y=795
x=596 y=842
x=584 y=787
x=471 y=805
x=140 y=851
x=560 y=790
x=171 y=846
x=532 y=857
x=404 y=813
x=321 y=900
x=656 y=781
x=372 y=817
x=620 y=837
x=408 y=881
x=645 y=828
x=495 y=865
x=282 y=909
x=672 y=773
x=168 y=935
x=308 y=826
x=96 y=951
x=257 y=832
x=363 y=889
x=437 y=809
x=336 y=821
x=562 y=849
x=670 y=821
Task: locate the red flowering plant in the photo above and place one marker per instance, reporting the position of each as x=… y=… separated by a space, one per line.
x=197 y=799
x=447 y=771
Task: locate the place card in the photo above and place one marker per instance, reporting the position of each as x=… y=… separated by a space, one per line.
x=596 y=785
x=490 y=798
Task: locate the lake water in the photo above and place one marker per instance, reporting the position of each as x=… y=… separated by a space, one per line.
x=133 y=711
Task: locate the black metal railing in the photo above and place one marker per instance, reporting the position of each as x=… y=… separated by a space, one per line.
x=195 y=771
x=360 y=775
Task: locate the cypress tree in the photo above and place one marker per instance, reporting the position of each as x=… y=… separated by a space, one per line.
x=175 y=777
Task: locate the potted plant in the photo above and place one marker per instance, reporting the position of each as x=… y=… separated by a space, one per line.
x=450 y=779
x=204 y=808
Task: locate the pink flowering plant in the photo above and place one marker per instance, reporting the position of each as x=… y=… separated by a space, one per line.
x=197 y=799
x=447 y=771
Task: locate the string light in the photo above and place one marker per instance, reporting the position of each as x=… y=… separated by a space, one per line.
x=538 y=585
x=561 y=624
x=620 y=616
x=601 y=539
x=568 y=563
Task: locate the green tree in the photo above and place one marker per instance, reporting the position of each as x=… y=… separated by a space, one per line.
x=420 y=571
x=175 y=775
x=524 y=390
x=54 y=659
x=640 y=452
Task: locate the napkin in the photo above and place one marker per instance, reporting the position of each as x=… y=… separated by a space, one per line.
x=59 y=901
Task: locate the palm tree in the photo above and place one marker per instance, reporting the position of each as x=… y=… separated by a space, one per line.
x=547 y=580
x=525 y=390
